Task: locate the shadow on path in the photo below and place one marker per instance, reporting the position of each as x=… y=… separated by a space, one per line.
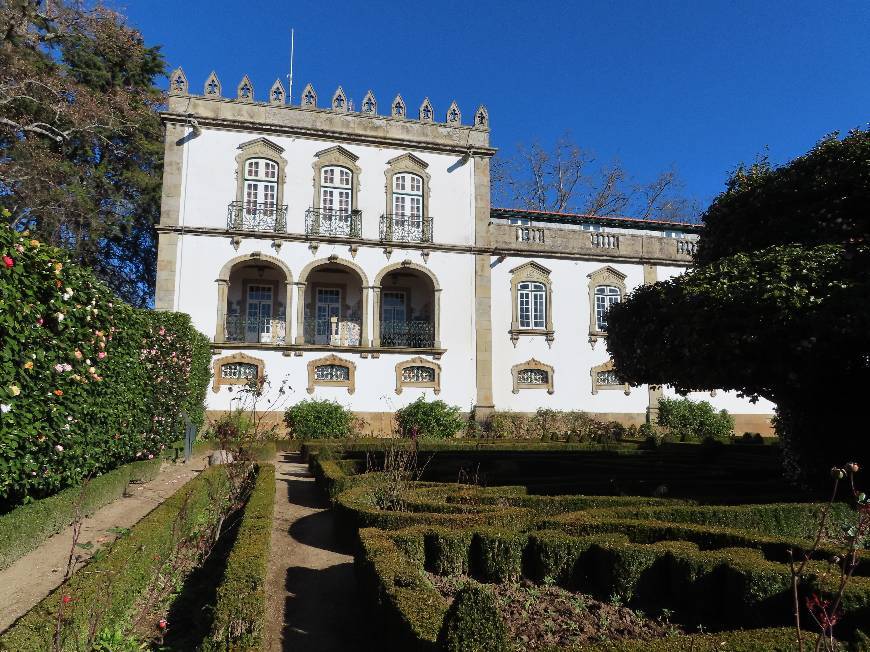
x=321 y=610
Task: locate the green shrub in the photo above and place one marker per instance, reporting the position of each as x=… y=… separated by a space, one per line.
x=473 y=623
x=694 y=421
x=318 y=419
x=25 y=528
x=433 y=419
x=87 y=382
x=240 y=611
x=105 y=590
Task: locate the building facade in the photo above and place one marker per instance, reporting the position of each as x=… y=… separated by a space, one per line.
x=354 y=255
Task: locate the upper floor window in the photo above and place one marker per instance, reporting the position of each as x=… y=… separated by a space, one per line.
x=336 y=190
x=605 y=296
x=408 y=195
x=259 y=201
x=532 y=300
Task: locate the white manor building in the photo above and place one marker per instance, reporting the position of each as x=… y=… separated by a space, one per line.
x=356 y=254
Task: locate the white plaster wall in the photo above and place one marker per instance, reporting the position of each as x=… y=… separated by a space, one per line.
x=209 y=183
x=571 y=354
x=202 y=257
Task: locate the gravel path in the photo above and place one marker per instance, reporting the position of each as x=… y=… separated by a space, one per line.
x=36 y=574
x=311 y=588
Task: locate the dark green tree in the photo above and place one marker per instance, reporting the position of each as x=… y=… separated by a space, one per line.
x=81 y=161
x=777 y=306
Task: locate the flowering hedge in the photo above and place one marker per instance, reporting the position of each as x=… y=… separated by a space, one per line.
x=87 y=382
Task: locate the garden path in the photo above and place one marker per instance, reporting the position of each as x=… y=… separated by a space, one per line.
x=311 y=587
x=38 y=573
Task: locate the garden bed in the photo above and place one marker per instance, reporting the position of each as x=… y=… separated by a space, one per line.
x=540 y=617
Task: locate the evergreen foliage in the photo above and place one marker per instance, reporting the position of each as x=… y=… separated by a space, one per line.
x=778 y=306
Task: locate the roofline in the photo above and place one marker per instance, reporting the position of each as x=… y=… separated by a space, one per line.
x=581 y=218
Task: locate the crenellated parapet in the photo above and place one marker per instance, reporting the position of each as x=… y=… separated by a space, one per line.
x=340 y=103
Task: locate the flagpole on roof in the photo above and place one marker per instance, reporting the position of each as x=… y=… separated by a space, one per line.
x=290 y=76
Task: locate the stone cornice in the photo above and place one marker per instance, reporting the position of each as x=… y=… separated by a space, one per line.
x=328 y=125
x=523 y=252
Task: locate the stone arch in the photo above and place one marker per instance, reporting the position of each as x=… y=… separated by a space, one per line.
x=223 y=283
x=302 y=281
x=436 y=302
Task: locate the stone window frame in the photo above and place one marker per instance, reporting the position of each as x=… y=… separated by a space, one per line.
x=340 y=157
x=218 y=381
x=596 y=386
x=532 y=364
x=606 y=275
x=435 y=384
x=535 y=273
x=408 y=164
x=350 y=383
x=261 y=148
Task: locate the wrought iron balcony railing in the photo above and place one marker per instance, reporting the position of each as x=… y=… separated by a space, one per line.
x=345 y=224
x=335 y=331
x=406 y=228
x=259 y=216
x=255 y=330
x=409 y=334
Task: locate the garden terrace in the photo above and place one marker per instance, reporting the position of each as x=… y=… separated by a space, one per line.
x=702 y=563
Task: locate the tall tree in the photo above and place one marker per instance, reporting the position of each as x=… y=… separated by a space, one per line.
x=568 y=178
x=778 y=305
x=81 y=159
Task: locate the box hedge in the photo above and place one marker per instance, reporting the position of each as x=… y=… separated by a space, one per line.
x=103 y=592
x=240 y=611
x=87 y=382
x=25 y=528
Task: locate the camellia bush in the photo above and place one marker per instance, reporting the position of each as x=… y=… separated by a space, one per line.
x=87 y=382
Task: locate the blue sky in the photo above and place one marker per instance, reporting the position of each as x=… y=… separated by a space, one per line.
x=699 y=86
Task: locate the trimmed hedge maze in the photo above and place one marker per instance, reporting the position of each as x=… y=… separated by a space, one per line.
x=718 y=570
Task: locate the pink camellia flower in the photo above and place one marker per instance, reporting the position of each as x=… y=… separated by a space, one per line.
x=58 y=367
x=67 y=599
x=8 y=261
x=78 y=354
x=101 y=355
x=162 y=623
x=59 y=448
x=150 y=456
x=40 y=321
x=162 y=330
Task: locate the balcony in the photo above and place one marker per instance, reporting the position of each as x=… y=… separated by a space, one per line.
x=333 y=223
x=260 y=216
x=408 y=334
x=254 y=330
x=405 y=228
x=333 y=331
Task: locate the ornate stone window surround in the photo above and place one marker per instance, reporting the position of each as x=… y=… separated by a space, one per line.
x=408 y=164
x=236 y=358
x=378 y=287
x=606 y=367
x=350 y=383
x=535 y=273
x=340 y=157
x=434 y=384
x=536 y=365
x=260 y=148
x=606 y=276
x=223 y=285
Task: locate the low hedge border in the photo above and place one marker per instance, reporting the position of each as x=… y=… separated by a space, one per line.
x=410 y=613
x=240 y=611
x=728 y=587
x=25 y=528
x=407 y=611
x=104 y=591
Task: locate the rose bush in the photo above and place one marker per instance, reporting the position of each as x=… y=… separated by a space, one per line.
x=87 y=382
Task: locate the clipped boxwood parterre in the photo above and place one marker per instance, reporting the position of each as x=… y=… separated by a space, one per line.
x=103 y=592
x=25 y=528
x=240 y=612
